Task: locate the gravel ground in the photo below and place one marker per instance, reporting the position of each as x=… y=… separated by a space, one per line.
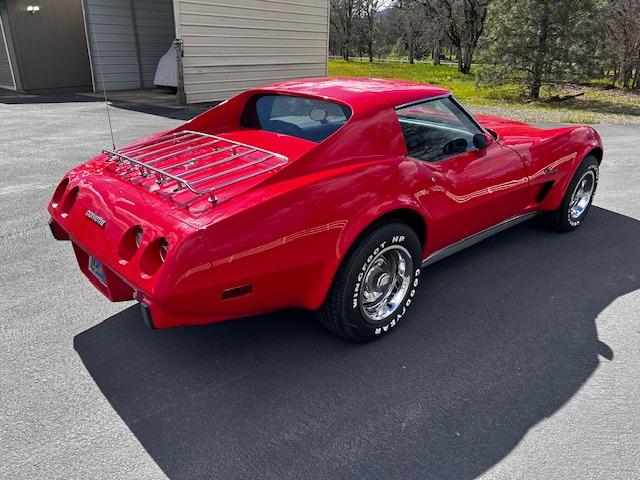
x=520 y=360
x=541 y=115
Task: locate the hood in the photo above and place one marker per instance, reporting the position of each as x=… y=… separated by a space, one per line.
x=504 y=126
x=513 y=133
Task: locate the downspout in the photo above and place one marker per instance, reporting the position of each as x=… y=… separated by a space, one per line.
x=326 y=63
x=181 y=96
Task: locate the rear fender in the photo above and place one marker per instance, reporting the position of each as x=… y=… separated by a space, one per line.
x=366 y=218
x=297 y=240
x=366 y=214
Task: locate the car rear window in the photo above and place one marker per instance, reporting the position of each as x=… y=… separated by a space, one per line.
x=302 y=117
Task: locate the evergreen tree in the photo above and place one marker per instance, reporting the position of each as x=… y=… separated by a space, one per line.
x=536 y=42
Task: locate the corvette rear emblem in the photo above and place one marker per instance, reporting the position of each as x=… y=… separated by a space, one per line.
x=95 y=217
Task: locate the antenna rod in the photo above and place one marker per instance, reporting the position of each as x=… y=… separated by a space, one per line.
x=106 y=104
x=104 y=88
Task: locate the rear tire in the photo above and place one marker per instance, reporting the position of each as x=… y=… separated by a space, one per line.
x=374 y=285
x=577 y=199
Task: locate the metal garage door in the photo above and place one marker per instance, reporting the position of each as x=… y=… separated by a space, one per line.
x=6 y=74
x=127 y=39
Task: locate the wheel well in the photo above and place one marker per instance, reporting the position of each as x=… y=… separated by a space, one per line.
x=408 y=216
x=405 y=215
x=596 y=152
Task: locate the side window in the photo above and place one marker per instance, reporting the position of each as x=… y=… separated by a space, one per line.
x=436 y=129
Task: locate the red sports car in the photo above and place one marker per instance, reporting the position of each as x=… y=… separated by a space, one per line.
x=323 y=194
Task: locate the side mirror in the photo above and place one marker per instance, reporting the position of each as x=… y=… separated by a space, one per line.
x=458 y=145
x=480 y=141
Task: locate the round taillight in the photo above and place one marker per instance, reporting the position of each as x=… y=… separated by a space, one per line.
x=154 y=256
x=69 y=200
x=130 y=243
x=163 y=248
x=138 y=235
x=57 y=195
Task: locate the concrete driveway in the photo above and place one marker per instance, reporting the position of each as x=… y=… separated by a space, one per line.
x=520 y=361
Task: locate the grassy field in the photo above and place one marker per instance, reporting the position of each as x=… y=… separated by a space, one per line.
x=597 y=105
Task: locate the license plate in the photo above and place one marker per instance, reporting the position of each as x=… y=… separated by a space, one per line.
x=95 y=267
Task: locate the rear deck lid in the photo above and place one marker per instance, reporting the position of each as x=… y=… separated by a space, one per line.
x=197 y=170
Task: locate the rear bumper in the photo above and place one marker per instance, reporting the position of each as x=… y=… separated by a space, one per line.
x=115 y=288
x=157 y=318
x=118 y=289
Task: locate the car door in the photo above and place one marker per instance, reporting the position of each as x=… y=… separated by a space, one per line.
x=463 y=189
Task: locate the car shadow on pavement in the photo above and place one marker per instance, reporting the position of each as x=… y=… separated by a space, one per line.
x=500 y=337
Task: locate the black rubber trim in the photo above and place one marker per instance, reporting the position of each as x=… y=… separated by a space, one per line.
x=146 y=315
x=51 y=228
x=57 y=231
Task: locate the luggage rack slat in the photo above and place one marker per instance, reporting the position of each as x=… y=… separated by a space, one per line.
x=214 y=164
x=130 y=162
x=199 y=157
x=231 y=170
x=164 y=149
x=179 y=152
x=154 y=143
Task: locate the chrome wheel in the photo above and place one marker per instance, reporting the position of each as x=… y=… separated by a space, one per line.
x=385 y=283
x=582 y=195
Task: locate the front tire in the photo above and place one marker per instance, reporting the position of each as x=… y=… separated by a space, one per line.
x=374 y=285
x=577 y=199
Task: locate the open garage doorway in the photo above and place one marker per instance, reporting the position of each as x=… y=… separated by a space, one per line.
x=127 y=39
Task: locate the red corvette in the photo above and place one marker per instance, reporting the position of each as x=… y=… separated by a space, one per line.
x=324 y=194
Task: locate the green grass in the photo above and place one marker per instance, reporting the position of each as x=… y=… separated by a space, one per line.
x=448 y=76
x=597 y=105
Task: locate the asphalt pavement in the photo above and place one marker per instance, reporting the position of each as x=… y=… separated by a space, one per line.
x=520 y=359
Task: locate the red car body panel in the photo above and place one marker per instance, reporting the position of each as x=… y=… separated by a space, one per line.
x=280 y=237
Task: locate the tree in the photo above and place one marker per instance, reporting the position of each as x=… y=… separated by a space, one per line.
x=464 y=25
x=622 y=41
x=410 y=23
x=342 y=17
x=368 y=14
x=533 y=42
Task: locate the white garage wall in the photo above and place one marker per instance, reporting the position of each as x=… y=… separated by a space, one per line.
x=126 y=40
x=231 y=47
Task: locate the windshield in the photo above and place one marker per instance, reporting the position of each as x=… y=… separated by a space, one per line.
x=306 y=118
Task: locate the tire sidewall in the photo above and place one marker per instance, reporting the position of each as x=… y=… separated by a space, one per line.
x=395 y=234
x=589 y=164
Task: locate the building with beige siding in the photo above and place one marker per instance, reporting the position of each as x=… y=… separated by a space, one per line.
x=207 y=50
x=231 y=46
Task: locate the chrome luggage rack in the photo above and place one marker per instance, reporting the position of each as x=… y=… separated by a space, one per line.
x=189 y=162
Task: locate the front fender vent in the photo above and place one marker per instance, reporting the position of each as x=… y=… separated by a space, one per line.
x=544 y=191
